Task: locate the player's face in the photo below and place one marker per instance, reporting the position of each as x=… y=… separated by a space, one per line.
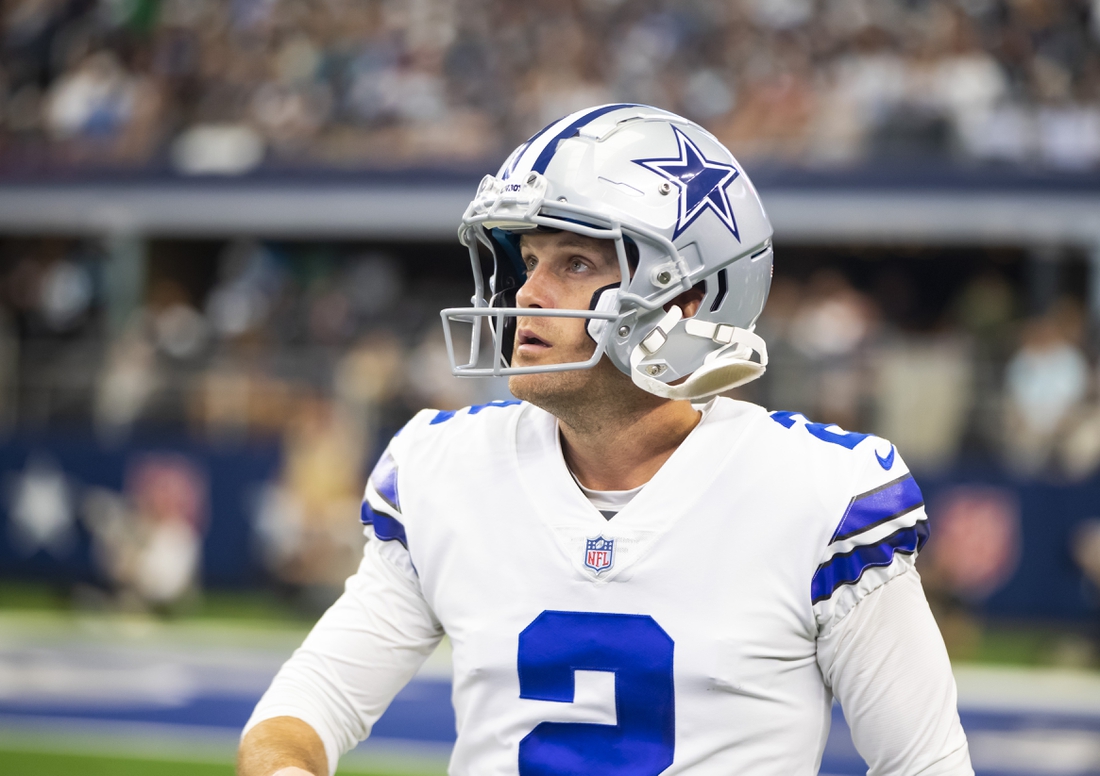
x=564 y=270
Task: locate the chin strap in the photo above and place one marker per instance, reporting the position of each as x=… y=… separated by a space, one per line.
x=727 y=367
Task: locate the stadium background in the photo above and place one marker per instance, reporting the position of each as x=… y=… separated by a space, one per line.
x=227 y=227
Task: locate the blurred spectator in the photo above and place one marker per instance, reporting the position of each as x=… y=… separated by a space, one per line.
x=95 y=99
x=176 y=327
x=9 y=372
x=923 y=394
x=788 y=383
x=218 y=149
x=220 y=408
x=66 y=295
x=249 y=284
x=127 y=381
x=432 y=384
x=368 y=381
x=1080 y=445
x=1045 y=381
x=830 y=328
x=1085 y=550
x=985 y=309
x=147 y=541
x=304 y=524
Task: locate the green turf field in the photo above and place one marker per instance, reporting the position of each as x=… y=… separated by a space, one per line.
x=42 y=764
x=36 y=753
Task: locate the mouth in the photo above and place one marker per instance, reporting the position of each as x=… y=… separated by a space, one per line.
x=529 y=344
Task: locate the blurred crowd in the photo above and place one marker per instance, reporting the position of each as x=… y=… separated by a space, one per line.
x=338 y=344
x=226 y=86
x=325 y=350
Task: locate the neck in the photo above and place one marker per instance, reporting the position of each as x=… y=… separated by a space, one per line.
x=621 y=448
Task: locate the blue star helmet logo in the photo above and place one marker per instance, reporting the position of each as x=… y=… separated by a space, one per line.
x=702 y=183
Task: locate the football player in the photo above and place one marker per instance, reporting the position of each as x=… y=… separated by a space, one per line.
x=637 y=575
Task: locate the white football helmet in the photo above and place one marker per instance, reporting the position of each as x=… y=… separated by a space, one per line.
x=681 y=212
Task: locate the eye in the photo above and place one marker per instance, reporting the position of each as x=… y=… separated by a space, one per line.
x=577 y=265
x=530 y=262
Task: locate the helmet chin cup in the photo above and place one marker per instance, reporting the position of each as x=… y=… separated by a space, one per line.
x=665 y=188
x=723 y=369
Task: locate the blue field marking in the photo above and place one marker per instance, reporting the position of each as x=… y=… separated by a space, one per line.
x=421 y=716
x=420 y=712
x=988 y=730
x=193 y=692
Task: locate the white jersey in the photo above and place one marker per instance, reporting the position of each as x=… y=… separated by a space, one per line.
x=685 y=635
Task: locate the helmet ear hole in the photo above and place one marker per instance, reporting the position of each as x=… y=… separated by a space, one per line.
x=723 y=289
x=690 y=301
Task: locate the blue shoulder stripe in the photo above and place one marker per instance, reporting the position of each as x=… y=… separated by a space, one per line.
x=848 y=568
x=384 y=480
x=878 y=506
x=386 y=528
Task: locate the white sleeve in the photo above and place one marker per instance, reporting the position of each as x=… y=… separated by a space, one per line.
x=887 y=665
x=361 y=652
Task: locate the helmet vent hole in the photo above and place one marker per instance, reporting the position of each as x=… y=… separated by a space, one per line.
x=723 y=288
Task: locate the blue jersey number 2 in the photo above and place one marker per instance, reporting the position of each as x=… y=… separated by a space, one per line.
x=633 y=647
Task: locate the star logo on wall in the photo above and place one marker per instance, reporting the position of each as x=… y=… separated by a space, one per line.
x=701 y=182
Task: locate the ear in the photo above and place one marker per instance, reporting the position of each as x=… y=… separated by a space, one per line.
x=689 y=301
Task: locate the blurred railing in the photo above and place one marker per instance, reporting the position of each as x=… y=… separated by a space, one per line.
x=895 y=205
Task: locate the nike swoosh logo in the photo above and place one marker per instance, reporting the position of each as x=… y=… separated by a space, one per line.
x=886 y=463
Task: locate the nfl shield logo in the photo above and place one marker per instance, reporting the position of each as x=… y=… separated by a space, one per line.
x=599 y=554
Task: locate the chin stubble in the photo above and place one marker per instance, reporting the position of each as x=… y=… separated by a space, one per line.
x=585 y=399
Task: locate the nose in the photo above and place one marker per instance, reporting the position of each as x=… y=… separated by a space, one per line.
x=535 y=291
